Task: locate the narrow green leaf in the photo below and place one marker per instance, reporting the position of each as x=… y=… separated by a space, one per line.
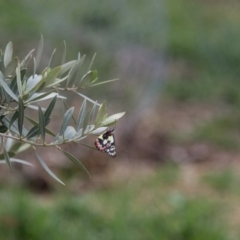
x=26 y=60
x=6 y=88
x=8 y=54
x=56 y=82
x=104 y=82
x=112 y=119
x=20 y=115
x=7 y=159
x=101 y=113
x=64 y=53
x=18 y=161
x=75 y=160
x=14 y=127
x=52 y=75
x=18 y=147
x=51 y=58
x=19 y=82
x=41 y=96
x=74 y=72
x=39 y=52
x=66 y=106
x=89 y=99
x=35 y=129
x=41 y=123
x=66 y=66
x=81 y=115
x=92 y=113
x=49 y=109
x=44 y=165
x=70 y=133
x=34 y=66
x=89 y=68
x=86 y=122
x=14 y=118
x=36 y=86
x=11 y=67
x=88 y=77
x=66 y=118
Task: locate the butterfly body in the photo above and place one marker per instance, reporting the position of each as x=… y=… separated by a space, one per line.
x=106 y=143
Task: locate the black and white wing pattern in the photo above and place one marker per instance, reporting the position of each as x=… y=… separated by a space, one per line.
x=106 y=143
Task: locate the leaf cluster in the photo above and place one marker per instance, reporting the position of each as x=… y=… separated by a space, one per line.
x=20 y=90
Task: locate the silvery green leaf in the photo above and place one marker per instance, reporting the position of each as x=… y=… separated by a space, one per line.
x=8 y=54
x=39 y=52
x=42 y=96
x=75 y=160
x=57 y=139
x=18 y=147
x=112 y=119
x=93 y=112
x=20 y=115
x=89 y=99
x=64 y=53
x=34 y=66
x=79 y=138
x=99 y=130
x=86 y=122
x=44 y=165
x=89 y=128
x=104 y=82
x=33 y=80
x=51 y=58
x=37 y=86
x=92 y=62
x=74 y=72
x=66 y=66
x=17 y=161
x=81 y=115
x=14 y=126
x=41 y=123
x=52 y=75
x=70 y=133
x=35 y=107
x=26 y=60
x=88 y=77
x=6 y=157
x=79 y=132
x=66 y=118
x=11 y=67
x=13 y=85
x=6 y=88
x=101 y=113
x=19 y=82
x=56 y=82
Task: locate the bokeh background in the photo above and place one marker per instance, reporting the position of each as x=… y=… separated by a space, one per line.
x=176 y=175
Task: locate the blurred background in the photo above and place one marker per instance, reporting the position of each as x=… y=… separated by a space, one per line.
x=176 y=175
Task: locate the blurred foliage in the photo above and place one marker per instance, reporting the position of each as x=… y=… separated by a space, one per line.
x=137 y=210
x=226 y=180
x=220 y=131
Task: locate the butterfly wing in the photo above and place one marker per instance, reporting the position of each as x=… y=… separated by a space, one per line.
x=106 y=143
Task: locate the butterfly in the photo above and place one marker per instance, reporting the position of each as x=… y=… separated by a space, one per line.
x=106 y=143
